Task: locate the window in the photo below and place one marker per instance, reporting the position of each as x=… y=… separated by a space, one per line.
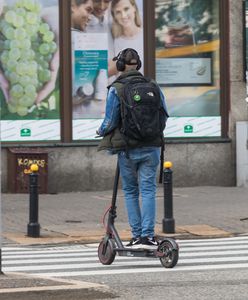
x=99 y=32
x=188 y=40
x=188 y=65
x=29 y=68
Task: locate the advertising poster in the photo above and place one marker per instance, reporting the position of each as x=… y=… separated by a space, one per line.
x=183 y=71
x=29 y=65
x=187 y=65
x=99 y=31
x=90 y=74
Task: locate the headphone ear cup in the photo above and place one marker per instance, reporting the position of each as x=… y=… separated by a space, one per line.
x=139 y=65
x=120 y=65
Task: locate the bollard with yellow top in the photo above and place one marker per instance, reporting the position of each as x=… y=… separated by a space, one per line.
x=33 y=225
x=168 y=222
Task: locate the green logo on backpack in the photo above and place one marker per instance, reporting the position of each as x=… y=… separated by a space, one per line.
x=136 y=98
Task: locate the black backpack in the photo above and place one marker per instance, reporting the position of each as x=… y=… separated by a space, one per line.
x=143 y=116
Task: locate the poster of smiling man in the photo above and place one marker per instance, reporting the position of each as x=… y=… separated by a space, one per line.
x=100 y=29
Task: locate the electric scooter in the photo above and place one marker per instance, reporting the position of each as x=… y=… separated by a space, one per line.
x=111 y=244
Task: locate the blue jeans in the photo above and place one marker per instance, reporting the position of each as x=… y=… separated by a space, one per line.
x=138 y=173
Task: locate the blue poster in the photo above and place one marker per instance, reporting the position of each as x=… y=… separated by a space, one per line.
x=90 y=82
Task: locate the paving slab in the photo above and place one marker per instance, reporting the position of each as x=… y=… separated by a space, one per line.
x=204 y=230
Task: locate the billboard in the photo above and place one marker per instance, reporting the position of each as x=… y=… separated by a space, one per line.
x=29 y=67
x=98 y=33
x=187 y=66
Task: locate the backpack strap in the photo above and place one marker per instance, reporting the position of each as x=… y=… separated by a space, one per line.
x=122 y=103
x=161 y=162
x=119 y=84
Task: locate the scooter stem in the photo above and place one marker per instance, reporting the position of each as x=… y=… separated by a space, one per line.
x=115 y=189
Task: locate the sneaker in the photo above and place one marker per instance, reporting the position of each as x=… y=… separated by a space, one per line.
x=149 y=243
x=134 y=243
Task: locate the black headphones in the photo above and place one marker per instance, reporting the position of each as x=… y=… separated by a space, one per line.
x=120 y=60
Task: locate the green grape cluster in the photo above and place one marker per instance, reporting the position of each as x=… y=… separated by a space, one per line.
x=26 y=48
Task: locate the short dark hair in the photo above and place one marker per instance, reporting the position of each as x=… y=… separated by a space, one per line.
x=130 y=56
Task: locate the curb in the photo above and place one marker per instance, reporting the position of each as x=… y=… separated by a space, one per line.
x=86 y=236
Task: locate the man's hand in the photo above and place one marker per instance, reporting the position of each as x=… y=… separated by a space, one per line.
x=50 y=85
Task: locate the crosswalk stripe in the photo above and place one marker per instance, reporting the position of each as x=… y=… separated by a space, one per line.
x=212 y=253
x=47 y=251
x=219 y=243
x=82 y=260
x=183 y=253
x=230 y=255
x=142 y=270
x=48 y=260
x=50 y=255
x=212 y=248
x=120 y=263
x=236 y=238
x=94 y=256
x=188 y=248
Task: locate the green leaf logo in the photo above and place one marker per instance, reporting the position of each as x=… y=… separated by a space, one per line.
x=136 y=97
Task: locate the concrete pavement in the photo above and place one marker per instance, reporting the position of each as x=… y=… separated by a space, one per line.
x=15 y=286
x=77 y=217
x=199 y=212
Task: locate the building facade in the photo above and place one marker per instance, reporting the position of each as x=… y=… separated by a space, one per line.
x=195 y=51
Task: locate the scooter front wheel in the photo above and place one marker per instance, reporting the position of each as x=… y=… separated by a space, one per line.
x=170 y=254
x=106 y=252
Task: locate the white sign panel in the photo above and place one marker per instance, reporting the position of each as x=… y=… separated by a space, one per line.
x=183 y=71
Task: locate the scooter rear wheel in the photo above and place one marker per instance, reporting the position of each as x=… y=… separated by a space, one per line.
x=170 y=257
x=106 y=252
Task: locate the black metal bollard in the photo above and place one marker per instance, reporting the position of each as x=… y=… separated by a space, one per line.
x=168 y=220
x=33 y=225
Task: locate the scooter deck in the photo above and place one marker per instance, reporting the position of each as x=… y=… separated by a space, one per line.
x=138 y=252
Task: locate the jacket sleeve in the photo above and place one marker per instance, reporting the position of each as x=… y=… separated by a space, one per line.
x=112 y=113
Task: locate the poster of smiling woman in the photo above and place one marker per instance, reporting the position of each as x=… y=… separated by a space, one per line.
x=100 y=29
x=29 y=64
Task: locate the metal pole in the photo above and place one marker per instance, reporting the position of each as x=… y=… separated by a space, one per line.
x=33 y=226
x=168 y=221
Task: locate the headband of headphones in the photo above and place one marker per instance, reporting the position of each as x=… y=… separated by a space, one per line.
x=121 y=56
